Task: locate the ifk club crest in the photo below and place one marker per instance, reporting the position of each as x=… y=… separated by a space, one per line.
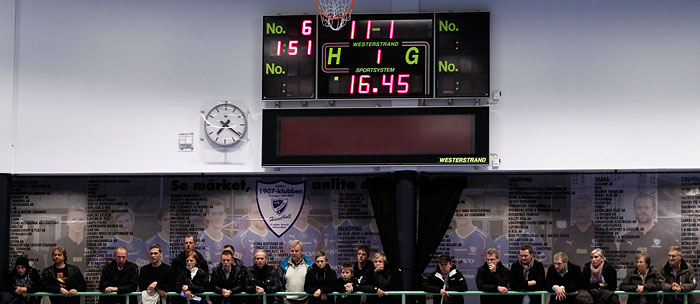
x=280 y=204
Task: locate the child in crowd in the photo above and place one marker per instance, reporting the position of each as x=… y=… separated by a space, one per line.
x=347 y=284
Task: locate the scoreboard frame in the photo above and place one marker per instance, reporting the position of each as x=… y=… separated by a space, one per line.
x=454 y=55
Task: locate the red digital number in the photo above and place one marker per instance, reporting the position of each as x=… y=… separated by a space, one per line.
x=369 y=28
x=389 y=83
x=352 y=84
x=306 y=27
x=364 y=87
x=279 y=47
x=352 y=30
x=308 y=49
x=293 y=47
x=391 y=30
x=403 y=83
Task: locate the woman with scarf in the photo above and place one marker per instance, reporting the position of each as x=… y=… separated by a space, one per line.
x=22 y=281
x=642 y=280
x=195 y=280
x=598 y=281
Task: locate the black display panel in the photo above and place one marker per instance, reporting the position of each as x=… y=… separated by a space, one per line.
x=428 y=55
x=375 y=136
x=377 y=56
x=289 y=57
x=462 y=54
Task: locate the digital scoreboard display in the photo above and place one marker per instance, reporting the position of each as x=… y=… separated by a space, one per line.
x=443 y=55
x=377 y=56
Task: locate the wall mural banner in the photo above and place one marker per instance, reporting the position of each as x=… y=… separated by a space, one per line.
x=575 y=213
x=91 y=216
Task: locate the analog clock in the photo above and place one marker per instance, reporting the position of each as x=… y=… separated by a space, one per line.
x=225 y=125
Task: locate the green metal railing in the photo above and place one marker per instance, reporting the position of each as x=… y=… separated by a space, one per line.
x=403 y=294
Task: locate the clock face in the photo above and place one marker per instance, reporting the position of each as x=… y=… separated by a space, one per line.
x=225 y=125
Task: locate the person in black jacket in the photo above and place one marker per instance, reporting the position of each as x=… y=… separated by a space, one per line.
x=562 y=278
x=492 y=277
x=642 y=280
x=677 y=276
x=363 y=268
x=180 y=266
x=380 y=280
x=195 y=280
x=262 y=278
x=228 y=278
x=63 y=278
x=319 y=280
x=347 y=283
x=120 y=276
x=157 y=276
x=445 y=279
x=363 y=271
x=527 y=274
x=598 y=280
x=21 y=281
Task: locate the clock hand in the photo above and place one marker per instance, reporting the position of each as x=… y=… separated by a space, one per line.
x=223 y=125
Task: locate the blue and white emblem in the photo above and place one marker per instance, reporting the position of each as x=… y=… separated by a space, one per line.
x=280 y=204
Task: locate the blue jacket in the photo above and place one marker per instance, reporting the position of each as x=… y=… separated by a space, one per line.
x=285 y=263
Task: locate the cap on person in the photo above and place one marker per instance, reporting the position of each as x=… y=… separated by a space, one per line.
x=444 y=258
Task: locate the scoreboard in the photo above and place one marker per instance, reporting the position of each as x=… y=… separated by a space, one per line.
x=427 y=55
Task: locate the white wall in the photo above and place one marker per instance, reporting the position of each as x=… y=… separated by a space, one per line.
x=106 y=86
x=7 y=41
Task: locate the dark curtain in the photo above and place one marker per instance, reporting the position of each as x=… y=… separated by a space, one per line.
x=4 y=226
x=382 y=194
x=437 y=200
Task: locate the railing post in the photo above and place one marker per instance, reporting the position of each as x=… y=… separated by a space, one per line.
x=543 y=299
x=264 y=298
x=127 y=299
x=403 y=298
x=685 y=298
